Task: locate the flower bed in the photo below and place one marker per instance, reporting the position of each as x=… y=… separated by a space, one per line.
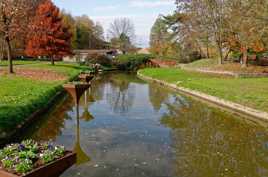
x=21 y=159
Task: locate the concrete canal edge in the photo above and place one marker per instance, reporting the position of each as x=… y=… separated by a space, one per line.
x=241 y=109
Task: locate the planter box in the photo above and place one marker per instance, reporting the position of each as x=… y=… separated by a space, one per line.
x=53 y=169
x=76 y=90
x=86 y=77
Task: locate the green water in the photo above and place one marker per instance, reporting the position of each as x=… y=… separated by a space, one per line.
x=129 y=128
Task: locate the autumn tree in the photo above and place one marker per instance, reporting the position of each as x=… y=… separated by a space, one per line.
x=18 y=39
x=248 y=25
x=12 y=13
x=207 y=19
x=18 y=44
x=161 y=42
x=158 y=36
x=179 y=37
x=48 y=36
x=239 y=26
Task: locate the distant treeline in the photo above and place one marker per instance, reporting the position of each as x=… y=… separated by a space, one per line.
x=224 y=29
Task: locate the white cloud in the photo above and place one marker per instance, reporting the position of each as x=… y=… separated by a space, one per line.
x=148 y=4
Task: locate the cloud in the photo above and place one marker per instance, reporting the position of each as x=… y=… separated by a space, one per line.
x=106 y=8
x=148 y=4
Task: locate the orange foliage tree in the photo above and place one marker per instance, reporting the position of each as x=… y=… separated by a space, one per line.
x=48 y=37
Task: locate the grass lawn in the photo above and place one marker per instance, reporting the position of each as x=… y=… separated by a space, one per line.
x=18 y=62
x=204 y=63
x=21 y=96
x=69 y=69
x=212 y=64
x=252 y=92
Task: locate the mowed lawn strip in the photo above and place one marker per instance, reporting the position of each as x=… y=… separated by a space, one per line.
x=17 y=62
x=251 y=92
x=21 y=96
x=69 y=69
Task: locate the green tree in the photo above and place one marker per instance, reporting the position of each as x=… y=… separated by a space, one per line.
x=69 y=21
x=158 y=36
x=89 y=35
x=84 y=26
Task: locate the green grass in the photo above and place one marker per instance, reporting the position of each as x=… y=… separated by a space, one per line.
x=204 y=63
x=18 y=62
x=212 y=64
x=252 y=92
x=20 y=97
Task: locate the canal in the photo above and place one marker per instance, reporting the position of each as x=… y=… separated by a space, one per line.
x=129 y=128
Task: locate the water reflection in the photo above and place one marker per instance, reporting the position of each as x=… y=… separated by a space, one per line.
x=122 y=94
x=134 y=129
x=51 y=125
x=118 y=89
x=98 y=87
x=157 y=96
x=208 y=142
x=88 y=100
x=82 y=156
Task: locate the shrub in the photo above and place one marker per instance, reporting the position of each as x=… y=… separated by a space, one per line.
x=236 y=56
x=132 y=62
x=101 y=59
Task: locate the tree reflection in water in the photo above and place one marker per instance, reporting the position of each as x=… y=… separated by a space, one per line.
x=209 y=142
x=48 y=129
x=193 y=139
x=97 y=89
x=121 y=93
x=118 y=89
x=157 y=96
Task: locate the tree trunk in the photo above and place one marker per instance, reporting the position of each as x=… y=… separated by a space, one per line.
x=200 y=52
x=208 y=51
x=245 y=57
x=221 y=54
x=52 y=61
x=207 y=45
x=9 y=57
x=2 y=49
x=227 y=55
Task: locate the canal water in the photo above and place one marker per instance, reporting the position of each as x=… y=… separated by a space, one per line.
x=129 y=128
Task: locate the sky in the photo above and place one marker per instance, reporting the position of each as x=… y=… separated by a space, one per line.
x=143 y=13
